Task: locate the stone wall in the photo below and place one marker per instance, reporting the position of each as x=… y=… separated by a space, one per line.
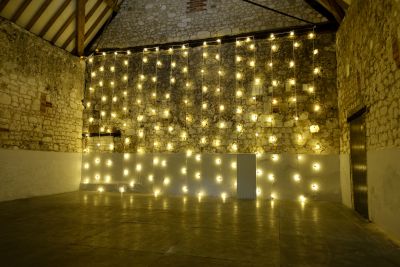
x=160 y=113
x=155 y=21
x=40 y=93
x=368 y=54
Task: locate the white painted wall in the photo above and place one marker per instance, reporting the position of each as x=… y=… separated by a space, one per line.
x=27 y=173
x=383 y=174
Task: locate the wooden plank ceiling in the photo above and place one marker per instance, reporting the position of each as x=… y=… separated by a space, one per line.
x=60 y=21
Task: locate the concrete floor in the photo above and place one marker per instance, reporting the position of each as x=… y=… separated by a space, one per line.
x=88 y=229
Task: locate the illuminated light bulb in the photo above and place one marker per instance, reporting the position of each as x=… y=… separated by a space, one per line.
x=224 y=196
x=291 y=64
x=238 y=43
x=203 y=140
x=104 y=98
x=172 y=80
x=139 y=86
x=302 y=198
x=183 y=135
x=219 y=179
x=156 y=161
x=189 y=153
x=239 y=110
x=218 y=161
x=145 y=59
x=316 y=166
x=126 y=156
x=217 y=142
x=274 y=101
x=311 y=35
x=271 y=36
x=188 y=118
x=300 y=138
x=111 y=146
x=204 y=43
x=185 y=54
x=270 y=64
x=239 y=128
x=234 y=147
x=184 y=189
x=97 y=177
x=204 y=105
x=204 y=89
x=314 y=128
x=150 y=178
x=197 y=175
x=102 y=129
x=317 y=70
x=156 y=144
x=93 y=74
x=187 y=84
x=121 y=189
x=185 y=101
x=159 y=63
x=86 y=181
x=272 y=139
x=314 y=187
x=163 y=163
x=257 y=81
x=91 y=119
x=101 y=68
x=140 y=133
x=86 y=165
x=157 y=127
x=183 y=170
x=218 y=40
x=252 y=47
x=202 y=71
x=128 y=52
x=173 y=64
x=170 y=146
x=126 y=172
x=170 y=129
x=125 y=93
x=254 y=117
x=317 y=147
x=115 y=53
x=259 y=172
x=107 y=178
x=256 y=134
x=91 y=89
x=221 y=108
x=315 y=51
x=258 y=191
x=154 y=79
x=91 y=60
x=166 y=181
x=112 y=68
x=153 y=111
x=233 y=165
x=217 y=57
x=140 y=117
x=204 y=123
x=271 y=177
x=252 y=63
x=114 y=99
x=166 y=113
x=274 y=48
x=198 y=157
x=100 y=189
x=109 y=162
x=138 y=167
x=112 y=83
x=238 y=58
x=296 y=177
x=269 y=119
x=220 y=72
x=275 y=157
x=248 y=39
x=239 y=93
x=157 y=192
x=291 y=34
x=140 y=150
x=293 y=99
x=126 y=62
x=142 y=77
x=185 y=69
x=296 y=44
x=238 y=76
x=167 y=95
x=292 y=81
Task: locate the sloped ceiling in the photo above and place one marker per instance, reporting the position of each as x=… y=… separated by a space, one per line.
x=56 y=20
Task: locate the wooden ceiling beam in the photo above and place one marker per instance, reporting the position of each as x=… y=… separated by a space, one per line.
x=37 y=14
x=20 y=10
x=54 y=18
x=328 y=8
x=96 y=23
x=3 y=4
x=80 y=27
x=93 y=9
x=69 y=39
x=113 y=4
x=63 y=27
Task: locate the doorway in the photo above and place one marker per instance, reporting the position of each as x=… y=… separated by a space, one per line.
x=358 y=161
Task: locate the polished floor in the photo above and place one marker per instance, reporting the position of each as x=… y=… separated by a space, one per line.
x=92 y=229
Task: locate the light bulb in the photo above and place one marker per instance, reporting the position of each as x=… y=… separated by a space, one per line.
x=239 y=128
x=317 y=107
x=184 y=189
x=291 y=64
x=314 y=187
x=316 y=166
x=219 y=179
x=150 y=178
x=218 y=161
x=138 y=167
x=239 y=110
x=239 y=93
x=221 y=108
x=166 y=181
x=238 y=58
x=197 y=175
x=272 y=139
x=315 y=52
x=258 y=191
x=198 y=157
x=259 y=172
x=314 y=128
x=254 y=117
x=271 y=177
x=275 y=157
x=252 y=63
x=296 y=177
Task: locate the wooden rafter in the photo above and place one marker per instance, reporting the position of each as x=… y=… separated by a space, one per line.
x=93 y=9
x=3 y=4
x=328 y=8
x=80 y=27
x=38 y=13
x=69 y=39
x=20 y=10
x=63 y=27
x=54 y=18
x=96 y=23
x=113 y=4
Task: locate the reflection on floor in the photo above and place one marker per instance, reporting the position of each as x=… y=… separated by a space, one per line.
x=92 y=229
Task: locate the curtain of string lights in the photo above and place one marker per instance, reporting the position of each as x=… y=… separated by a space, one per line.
x=213 y=99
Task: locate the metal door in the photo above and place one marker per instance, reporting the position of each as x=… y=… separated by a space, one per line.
x=358 y=155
